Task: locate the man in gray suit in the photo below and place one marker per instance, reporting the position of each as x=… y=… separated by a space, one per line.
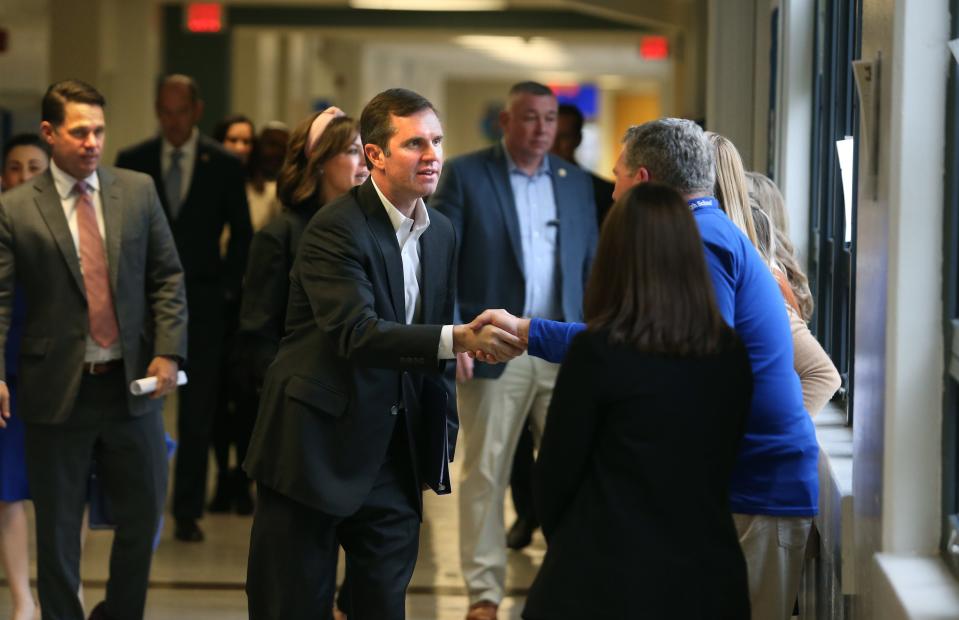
x=526 y=224
x=90 y=251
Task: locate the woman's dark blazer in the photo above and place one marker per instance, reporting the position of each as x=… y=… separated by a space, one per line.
x=266 y=287
x=632 y=485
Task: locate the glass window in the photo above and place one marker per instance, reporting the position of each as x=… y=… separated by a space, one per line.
x=950 y=296
x=833 y=189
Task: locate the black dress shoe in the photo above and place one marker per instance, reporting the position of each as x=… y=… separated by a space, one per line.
x=188 y=531
x=223 y=498
x=521 y=534
x=100 y=612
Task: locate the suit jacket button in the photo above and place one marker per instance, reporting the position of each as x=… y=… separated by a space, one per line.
x=394 y=410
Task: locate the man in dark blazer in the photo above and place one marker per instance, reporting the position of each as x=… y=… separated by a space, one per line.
x=89 y=249
x=526 y=223
x=341 y=446
x=569 y=135
x=201 y=188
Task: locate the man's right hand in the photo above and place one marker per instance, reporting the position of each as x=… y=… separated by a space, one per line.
x=502 y=319
x=4 y=404
x=494 y=343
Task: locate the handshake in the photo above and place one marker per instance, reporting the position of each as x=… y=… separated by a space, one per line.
x=495 y=336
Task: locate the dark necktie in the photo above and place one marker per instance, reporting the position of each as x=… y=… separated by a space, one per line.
x=174 y=182
x=96 y=280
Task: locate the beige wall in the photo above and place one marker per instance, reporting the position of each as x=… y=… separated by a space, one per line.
x=466 y=103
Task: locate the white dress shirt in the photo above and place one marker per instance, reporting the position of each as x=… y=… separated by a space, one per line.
x=408 y=233
x=187 y=159
x=68 y=199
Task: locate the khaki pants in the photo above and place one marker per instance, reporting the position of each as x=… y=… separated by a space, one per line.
x=492 y=414
x=775 y=549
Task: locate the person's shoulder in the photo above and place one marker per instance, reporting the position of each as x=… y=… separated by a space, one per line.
x=591 y=343
x=342 y=211
x=139 y=149
x=25 y=191
x=278 y=225
x=473 y=159
x=439 y=220
x=719 y=232
x=130 y=178
x=205 y=144
x=714 y=221
x=565 y=170
x=208 y=149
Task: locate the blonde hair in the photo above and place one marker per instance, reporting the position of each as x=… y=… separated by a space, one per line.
x=774 y=246
x=769 y=199
x=730 y=186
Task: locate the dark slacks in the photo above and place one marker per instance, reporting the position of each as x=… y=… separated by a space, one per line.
x=198 y=399
x=521 y=478
x=131 y=464
x=291 y=573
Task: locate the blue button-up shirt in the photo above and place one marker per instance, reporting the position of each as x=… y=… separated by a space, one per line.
x=539 y=235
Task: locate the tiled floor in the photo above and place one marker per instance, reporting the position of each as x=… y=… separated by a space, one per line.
x=205 y=581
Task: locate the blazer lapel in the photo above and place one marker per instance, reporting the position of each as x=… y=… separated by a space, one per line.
x=197 y=177
x=385 y=236
x=111 y=201
x=565 y=207
x=496 y=166
x=51 y=210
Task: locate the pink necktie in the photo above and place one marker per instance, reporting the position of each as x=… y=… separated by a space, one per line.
x=96 y=281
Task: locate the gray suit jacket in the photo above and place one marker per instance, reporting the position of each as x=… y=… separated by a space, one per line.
x=39 y=258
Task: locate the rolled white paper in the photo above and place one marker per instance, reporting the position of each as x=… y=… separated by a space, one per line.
x=148 y=385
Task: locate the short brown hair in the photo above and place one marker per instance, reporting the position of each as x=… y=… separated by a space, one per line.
x=375 y=125
x=299 y=178
x=650 y=287
x=55 y=100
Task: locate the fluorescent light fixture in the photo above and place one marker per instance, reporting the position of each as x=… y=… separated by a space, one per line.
x=536 y=52
x=430 y=5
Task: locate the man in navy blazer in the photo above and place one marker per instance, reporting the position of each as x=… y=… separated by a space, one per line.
x=526 y=222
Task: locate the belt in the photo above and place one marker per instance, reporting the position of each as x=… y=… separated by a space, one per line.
x=100 y=368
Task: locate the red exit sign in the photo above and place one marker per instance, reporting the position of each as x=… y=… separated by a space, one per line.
x=204 y=17
x=654 y=47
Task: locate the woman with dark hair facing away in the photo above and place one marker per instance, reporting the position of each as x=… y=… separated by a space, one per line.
x=632 y=480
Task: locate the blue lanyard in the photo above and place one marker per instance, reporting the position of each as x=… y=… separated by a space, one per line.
x=703 y=202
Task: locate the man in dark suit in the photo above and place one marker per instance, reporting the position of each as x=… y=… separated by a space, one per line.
x=569 y=135
x=91 y=252
x=341 y=444
x=527 y=229
x=201 y=188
